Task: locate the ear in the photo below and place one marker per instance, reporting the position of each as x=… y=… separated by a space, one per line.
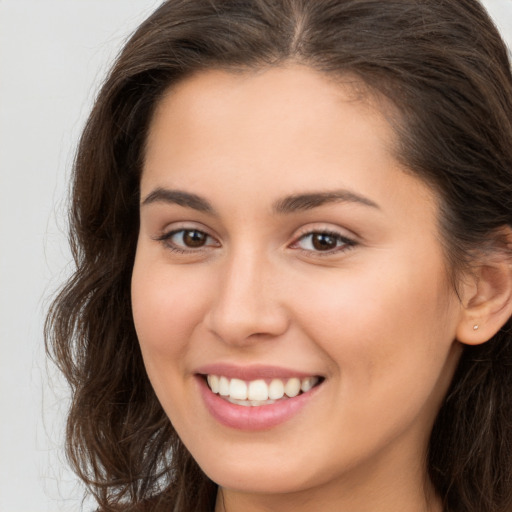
x=487 y=293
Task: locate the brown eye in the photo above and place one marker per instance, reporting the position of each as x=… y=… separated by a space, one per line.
x=194 y=238
x=183 y=240
x=323 y=241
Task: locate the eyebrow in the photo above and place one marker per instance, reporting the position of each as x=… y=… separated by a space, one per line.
x=302 y=202
x=289 y=204
x=179 y=197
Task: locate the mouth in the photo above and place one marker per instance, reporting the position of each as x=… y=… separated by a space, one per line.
x=260 y=392
x=257 y=397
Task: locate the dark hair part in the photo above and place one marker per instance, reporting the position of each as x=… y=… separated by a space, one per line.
x=445 y=68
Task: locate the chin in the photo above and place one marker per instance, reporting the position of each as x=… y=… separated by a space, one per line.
x=257 y=481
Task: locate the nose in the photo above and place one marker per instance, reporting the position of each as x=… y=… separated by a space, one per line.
x=246 y=307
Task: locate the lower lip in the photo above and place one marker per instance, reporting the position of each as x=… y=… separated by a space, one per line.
x=261 y=417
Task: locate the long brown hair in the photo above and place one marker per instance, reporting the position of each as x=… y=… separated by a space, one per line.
x=445 y=68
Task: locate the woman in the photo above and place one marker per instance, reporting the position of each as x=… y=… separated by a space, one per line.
x=291 y=221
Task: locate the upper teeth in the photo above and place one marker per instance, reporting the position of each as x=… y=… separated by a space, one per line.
x=259 y=390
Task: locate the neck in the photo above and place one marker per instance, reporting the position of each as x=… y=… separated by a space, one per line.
x=233 y=501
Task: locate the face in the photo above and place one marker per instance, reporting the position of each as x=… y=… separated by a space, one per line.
x=282 y=249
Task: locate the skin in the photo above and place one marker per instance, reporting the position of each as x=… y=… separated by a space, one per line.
x=376 y=315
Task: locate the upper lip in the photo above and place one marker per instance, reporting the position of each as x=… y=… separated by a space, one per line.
x=252 y=372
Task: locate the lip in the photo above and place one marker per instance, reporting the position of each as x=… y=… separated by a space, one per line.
x=246 y=418
x=252 y=372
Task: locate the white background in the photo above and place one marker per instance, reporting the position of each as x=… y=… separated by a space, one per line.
x=53 y=56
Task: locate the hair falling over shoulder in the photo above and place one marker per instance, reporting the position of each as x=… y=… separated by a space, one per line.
x=445 y=68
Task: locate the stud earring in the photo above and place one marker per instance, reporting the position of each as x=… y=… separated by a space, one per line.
x=475 y=327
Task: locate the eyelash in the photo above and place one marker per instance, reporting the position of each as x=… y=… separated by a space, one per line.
x=345 y=243
x=166 y=239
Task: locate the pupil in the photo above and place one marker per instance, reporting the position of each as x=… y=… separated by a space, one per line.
x=323 y=242
x=194 y=238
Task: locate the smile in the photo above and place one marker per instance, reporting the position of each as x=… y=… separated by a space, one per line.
x=257 y=397
x=259 y=392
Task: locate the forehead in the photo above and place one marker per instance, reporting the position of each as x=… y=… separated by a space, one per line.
x=245 y=141
x=267 y=110
x=290 y=84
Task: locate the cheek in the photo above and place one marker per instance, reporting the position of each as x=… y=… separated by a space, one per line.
x=388 y=322
x=166 y=308
x=390 y=346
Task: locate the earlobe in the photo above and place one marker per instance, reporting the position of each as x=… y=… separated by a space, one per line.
x=487 y=304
